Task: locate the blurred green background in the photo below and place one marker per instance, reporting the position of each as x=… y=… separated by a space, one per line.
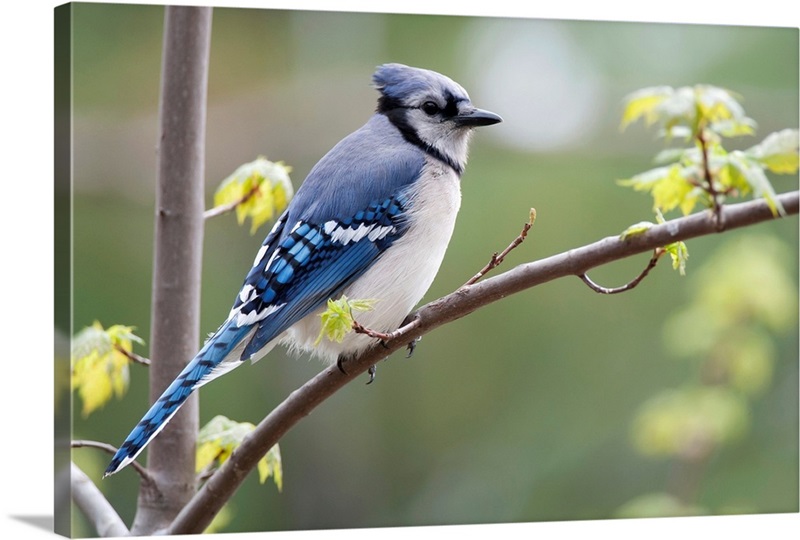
x=530 y=409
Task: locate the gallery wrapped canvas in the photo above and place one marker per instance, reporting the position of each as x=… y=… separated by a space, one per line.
x=238 y=183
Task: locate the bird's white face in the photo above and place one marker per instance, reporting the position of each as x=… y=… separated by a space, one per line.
x=434 y=119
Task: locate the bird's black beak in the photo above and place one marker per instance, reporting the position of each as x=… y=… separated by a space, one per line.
x=476 y=117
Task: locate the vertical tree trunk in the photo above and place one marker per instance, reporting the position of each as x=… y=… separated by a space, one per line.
x=178 y=250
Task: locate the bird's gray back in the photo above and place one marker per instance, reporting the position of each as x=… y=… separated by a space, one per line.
x=372 y=163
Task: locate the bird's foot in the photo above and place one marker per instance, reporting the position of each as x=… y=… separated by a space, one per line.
x=412 y=345
x=373 y=369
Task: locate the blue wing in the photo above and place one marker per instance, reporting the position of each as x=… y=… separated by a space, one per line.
x=313 y=263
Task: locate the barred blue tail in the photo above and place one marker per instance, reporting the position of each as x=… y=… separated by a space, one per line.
x=220 y=354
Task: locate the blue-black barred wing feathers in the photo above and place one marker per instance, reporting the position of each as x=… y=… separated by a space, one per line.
x=316 y=262
x=250 y=305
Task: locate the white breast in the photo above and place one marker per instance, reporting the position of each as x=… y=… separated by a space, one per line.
x=404 y=272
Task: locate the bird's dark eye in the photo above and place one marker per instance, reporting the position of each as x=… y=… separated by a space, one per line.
x=430 y=108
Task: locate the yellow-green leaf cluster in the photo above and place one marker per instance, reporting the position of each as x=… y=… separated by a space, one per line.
x=271 y=465
x=99 y=368
x=260 y=189
x=679 y=253
x=779 y=152
x=221 y=436
x=748 y=176
x=645 y=103
x=675 y=190
x=337 y=320
x=747 y=359
x=686 y=110
x=671 y=187
x=706 y=173
x=689 y=422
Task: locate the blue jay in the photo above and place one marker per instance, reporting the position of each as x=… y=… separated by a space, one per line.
x=372 y=220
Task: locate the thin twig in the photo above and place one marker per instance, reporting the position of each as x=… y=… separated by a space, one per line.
x=225 y=208
x=133 y=357
x=385 y=337
x=358 y=328
x=408 y=324
x=113 y=450
x=716 y=205
x=657 y=253
x=496 y=259
x=95 y=506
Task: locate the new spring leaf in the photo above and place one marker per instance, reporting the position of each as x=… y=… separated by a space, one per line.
x=671 y=187
x=778 y=152
x=259 y=190
x=686 y=110
x=221 y=436
x=677 y=251
x=99 y=367
x=337 y=320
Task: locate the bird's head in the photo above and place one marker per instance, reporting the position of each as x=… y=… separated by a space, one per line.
x=430 y=110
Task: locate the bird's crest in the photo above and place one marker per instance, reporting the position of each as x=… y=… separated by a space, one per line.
x=398 y=81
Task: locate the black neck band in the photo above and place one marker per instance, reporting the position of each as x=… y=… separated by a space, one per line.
x=397 y=115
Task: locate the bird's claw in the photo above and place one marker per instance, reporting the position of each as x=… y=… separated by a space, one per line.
x=412 y=345
x=373 y=369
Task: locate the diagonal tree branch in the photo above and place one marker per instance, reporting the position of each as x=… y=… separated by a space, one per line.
x=196 y=516
x=94 y=505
